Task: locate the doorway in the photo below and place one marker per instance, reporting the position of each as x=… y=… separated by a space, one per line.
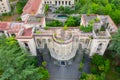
x=62 y=63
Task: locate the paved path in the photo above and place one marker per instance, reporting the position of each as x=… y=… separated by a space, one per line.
x=70 y=72
x=87 y=61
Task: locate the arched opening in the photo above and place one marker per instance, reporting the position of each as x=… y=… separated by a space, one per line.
x=99 y=47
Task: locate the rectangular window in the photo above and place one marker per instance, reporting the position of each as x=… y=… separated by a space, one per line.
x=66 y=2
x=55 y=2
x=69 y=2
x=59 y=2
x=62 y=2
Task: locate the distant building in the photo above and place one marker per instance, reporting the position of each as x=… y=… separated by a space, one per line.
x=34 y=8
x=4 y=6
x=58 y=3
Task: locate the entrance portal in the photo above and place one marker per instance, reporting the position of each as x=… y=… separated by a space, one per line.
x=63 y=63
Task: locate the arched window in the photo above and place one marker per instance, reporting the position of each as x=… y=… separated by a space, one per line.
x=99 y=47
x=38 y=42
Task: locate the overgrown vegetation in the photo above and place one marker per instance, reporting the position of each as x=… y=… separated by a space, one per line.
x=114 y=55
x=107 y=7
x=54 y=23
x=73 y=21
x=99 y=68
x=64 y=10
x=20 y=5
x=46 y=8
x=16 y=64
x=88 y=28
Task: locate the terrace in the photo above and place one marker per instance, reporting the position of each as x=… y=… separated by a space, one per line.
x=33 y=19
x=25 y=33
x=101 y=34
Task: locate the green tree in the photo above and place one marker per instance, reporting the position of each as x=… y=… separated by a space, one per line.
x=115 y=44
x=46 y=8
x=17 y=64
x=95 y=8
x=20 y=5
x=54 y=23
x=70 y=21
x=65 y=27
x=67 y=10
x=97 y=59
x=44 y=64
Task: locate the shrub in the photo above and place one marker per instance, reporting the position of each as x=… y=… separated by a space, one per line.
x=7 y=14
x=65 y=27
x=107 y=65
x=46 y=28
x=44 y=63
x=94 y=69
x=101 y=67
x=67 y=10
x=20 y=5
x=117 y=69
x=46 y=8
x=81 y=66
x=97 y=59
x=54 y=23
x=61 y=8
x=88 y=28
x=19 y=19
x=73 y=21
x=83 y=76
x=37 y=32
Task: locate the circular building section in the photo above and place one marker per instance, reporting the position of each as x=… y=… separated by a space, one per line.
x=63 y=36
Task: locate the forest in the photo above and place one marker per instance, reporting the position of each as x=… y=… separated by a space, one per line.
x=103 y=7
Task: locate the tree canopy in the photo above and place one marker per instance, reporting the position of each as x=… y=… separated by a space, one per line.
x=106 y=7
x=16 y=64
x=20 y=5
x=115 y=44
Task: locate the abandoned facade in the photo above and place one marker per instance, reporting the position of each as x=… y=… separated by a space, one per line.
x=62 y=44
x=4 y=6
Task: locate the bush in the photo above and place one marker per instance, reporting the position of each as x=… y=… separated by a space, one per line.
x=46 y=8
x=19 y=19
x=81 y=66
x=107 y=65
x=94 y=69
x=83 y=76
x=67 y=10
x=20 y=5
x=101 y=67
x=117 y=69
x=46 y=28
x=7 y=14
x=88 y=28
x=65 y=27
x=97 y=59
x=44 y=63
x=55 y=23
x=61 y=8
x=72 y=21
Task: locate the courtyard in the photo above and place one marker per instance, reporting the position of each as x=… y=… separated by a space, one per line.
x=66 y=72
